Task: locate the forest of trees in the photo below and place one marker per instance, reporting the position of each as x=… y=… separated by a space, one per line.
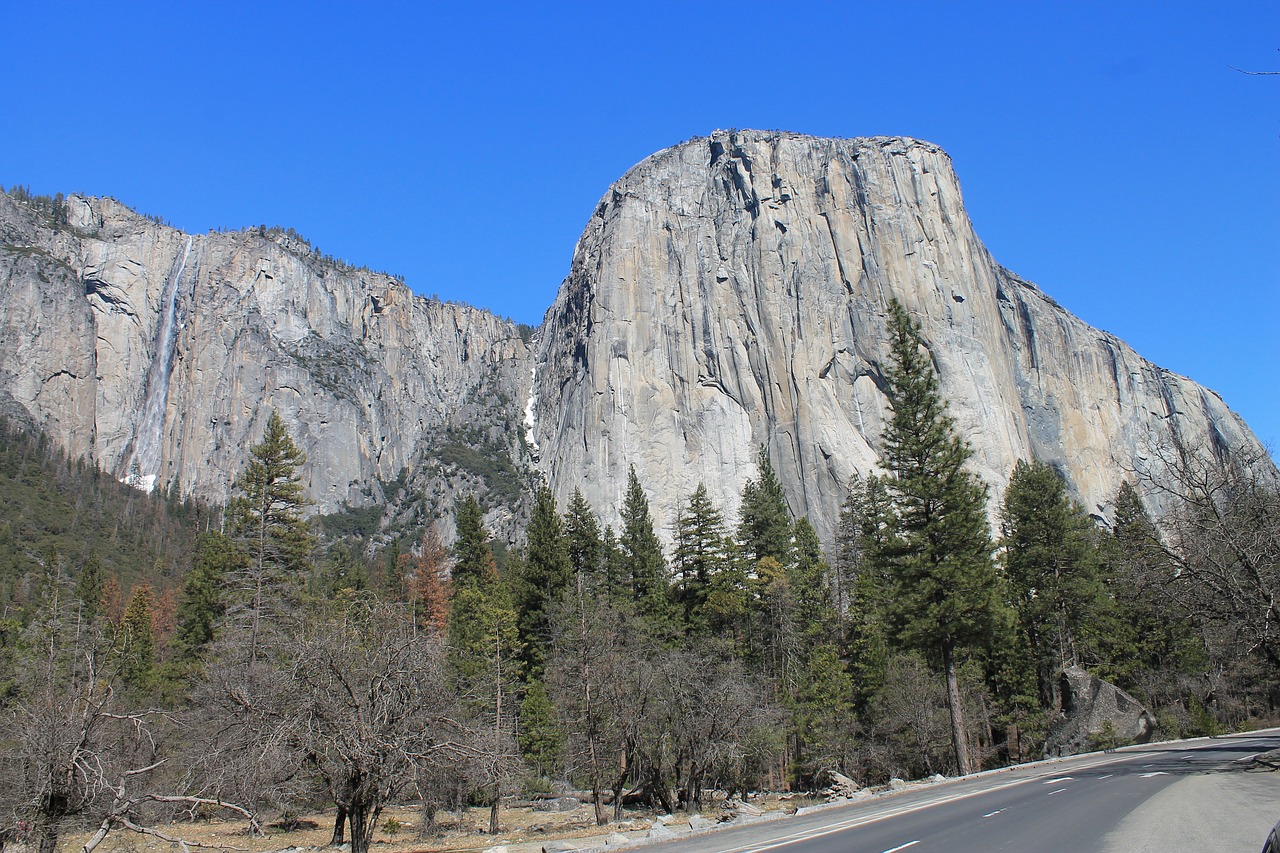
x=161 y=658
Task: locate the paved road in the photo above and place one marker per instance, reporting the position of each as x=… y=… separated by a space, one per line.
x=1182 y=796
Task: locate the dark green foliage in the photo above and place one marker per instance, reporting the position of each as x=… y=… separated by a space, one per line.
x=203 y=599
x=492 y=464
x=699 y=556
x=945 y=593
x=136 y=641
x=644 y=569
x=360 y=522
x=472 y=558
x=545 y=574
x=265 y=521
x=89 y=586
x=586 y=545
x=764 y=525
x=97 y=527
x=541 y=739
x=1153 y=633
x=1051 y=564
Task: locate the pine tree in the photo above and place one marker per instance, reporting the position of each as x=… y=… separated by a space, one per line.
x=1152 y=632
x=644 y=567
x=945 y=589
x=546 y=573
x=203 y=599
x=1052 y=567
x=484 y=648
x=764 y=525
x=586 y=544
x=471 y=553
x=428 y=584
x=699 y=555
x=265 y=520
x=136 y=640
x=89 y=587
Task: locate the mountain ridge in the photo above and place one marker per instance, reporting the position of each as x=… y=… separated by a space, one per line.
x=726 y=293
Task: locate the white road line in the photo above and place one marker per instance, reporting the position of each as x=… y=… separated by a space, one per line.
x=1059 y=791
x=1108 y=776
x=902 y=846
x=994 y=813
x=1247 y=758
x=1189 y=758
x=1059 y=779
x=1149 y=775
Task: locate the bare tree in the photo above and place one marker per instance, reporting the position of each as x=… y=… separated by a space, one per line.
x=359 y=698
x=1222 y=539
x=72 y=752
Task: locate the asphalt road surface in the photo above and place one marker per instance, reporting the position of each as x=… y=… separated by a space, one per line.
x=1199 y=795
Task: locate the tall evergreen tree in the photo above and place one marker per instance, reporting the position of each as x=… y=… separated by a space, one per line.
x=203 y=598
x=644 y=567
x=265 y=520
x=546 y=573
x=1052 y=567
x=764 y=523
x=699 y=554
x=136 y=640
x=585 y=541
x=484 y=648
x=945 y=592
x=89 y=586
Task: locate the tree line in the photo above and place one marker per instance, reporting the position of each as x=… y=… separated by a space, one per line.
x=296 y=672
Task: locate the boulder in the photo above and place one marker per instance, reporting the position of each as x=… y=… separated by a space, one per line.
x=1095 y=714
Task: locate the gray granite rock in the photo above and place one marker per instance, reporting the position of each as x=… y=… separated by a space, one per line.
x=1095 y=714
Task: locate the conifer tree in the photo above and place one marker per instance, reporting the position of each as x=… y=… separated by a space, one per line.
x=945 y=593
x=644 y=567
x=89 y=587
x=471 y=553
x=484 y=648
x=428 y=583
x=764 y=525
x=1052 y=568
x=203 y=599
x=585 y=541
x=136 y=640
x=546 y=573
x=265 y=520
x=699 y=555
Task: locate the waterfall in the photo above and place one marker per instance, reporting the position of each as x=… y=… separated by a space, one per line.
x=143 y=464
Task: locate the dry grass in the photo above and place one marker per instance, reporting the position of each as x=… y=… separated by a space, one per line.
x=457 y=831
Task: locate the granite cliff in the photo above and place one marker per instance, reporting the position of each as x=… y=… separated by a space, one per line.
x=731 y=292
x=728 y=293
x=159 y=355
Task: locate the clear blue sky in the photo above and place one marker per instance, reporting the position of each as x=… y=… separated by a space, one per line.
x=1107 y=151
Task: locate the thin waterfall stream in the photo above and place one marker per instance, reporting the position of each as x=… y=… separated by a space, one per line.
x=143 y=465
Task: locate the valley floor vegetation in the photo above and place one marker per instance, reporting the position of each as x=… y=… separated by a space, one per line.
x=163 y=661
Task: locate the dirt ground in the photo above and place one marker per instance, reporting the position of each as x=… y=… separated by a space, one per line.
x=397 y=830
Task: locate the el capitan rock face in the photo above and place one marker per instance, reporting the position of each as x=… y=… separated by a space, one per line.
x=731 y=292
x=728 y=293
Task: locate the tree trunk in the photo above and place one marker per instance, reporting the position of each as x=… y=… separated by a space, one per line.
x=48 y=837
x=358 y=818
x=958 y=740
x=493 y=812
x=339 y=827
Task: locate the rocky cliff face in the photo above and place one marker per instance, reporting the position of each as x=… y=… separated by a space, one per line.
x=731 y=292
x=160 y=355
x=728 y=293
